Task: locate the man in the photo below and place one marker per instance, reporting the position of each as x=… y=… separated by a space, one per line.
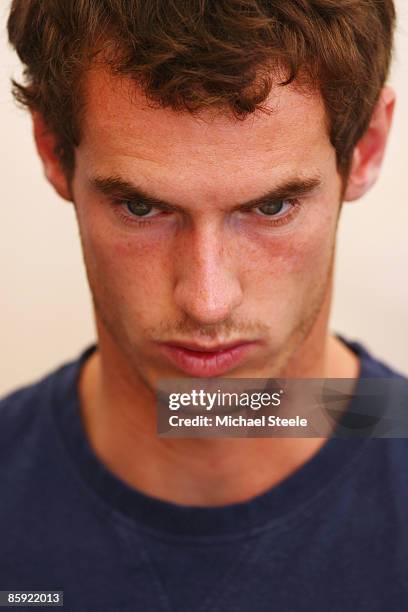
x=208 y=148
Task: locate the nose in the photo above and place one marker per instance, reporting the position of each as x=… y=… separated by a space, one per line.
x=207 y=286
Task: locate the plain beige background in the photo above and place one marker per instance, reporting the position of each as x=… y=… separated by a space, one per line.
x=46 y=315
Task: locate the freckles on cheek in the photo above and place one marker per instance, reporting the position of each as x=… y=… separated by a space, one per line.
x=307 y=255
x=283 y=255
x=289 y=258
x=136 y=261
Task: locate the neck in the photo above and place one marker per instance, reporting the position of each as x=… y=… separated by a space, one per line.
x=121 y=428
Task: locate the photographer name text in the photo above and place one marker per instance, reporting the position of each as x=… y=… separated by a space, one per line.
x=238 y=421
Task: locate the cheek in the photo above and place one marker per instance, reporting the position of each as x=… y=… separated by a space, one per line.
x=125 y=272
x=286 y=276
x=292 y=257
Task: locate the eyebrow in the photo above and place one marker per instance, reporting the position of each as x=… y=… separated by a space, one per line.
x=118 y=188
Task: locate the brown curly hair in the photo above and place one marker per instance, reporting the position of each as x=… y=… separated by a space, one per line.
x=191 y=55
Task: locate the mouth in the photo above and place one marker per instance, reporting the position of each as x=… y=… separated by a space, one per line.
x=205 y=360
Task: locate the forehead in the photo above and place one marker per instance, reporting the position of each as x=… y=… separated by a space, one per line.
x=120 y=128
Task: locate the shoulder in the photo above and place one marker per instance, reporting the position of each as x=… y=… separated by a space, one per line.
x=25 y=410
x=372 y=366
x=25 y=433
x=20 y=409
x=387 y=456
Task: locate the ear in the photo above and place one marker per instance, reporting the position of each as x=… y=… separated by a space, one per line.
x=45 y=142
x=369 y=152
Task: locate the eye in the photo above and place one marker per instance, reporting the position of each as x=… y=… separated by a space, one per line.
x=140 y=209
x=275 y=208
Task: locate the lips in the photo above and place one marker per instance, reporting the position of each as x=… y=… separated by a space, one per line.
x=201 y=348
x=206 y=361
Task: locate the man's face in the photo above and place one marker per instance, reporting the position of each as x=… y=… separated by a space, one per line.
x=207 y=270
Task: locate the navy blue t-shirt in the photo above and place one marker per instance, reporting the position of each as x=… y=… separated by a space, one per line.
x=331 y=537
